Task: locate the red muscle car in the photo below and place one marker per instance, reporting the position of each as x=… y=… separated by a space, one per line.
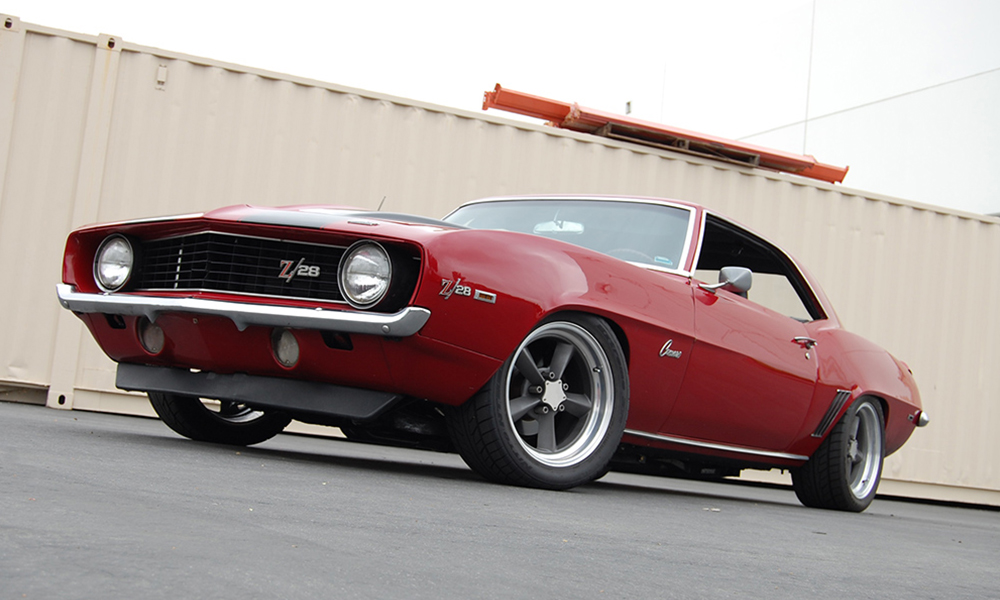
x=545 y=339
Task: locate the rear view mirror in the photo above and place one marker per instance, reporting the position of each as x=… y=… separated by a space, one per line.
x=559 y=227
x=732 y=279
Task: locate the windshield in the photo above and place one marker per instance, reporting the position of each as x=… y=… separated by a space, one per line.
x=653 y=234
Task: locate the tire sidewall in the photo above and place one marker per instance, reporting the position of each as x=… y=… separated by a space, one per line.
x=188 y=416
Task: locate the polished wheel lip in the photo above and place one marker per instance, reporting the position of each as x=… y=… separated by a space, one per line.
x=400 y=324
x=588 y=435
x=864 y=452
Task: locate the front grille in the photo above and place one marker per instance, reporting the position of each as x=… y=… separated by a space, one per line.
x=247 y=265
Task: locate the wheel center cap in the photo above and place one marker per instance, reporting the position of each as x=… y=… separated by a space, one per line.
x=852 y=451
x=554 y=394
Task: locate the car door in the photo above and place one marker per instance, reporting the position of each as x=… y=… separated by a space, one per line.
x=748 y=382
x=753 y=368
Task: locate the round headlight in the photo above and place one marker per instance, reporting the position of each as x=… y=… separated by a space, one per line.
x=365 y=273
x=113 y=265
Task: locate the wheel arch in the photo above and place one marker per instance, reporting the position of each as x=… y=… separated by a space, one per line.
x=617 y=329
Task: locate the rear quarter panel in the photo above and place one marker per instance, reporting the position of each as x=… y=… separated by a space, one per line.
x=850 y=362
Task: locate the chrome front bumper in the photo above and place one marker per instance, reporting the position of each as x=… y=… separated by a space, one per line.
x=401 y=324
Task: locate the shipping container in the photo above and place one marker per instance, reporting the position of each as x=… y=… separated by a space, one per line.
x=100 y=129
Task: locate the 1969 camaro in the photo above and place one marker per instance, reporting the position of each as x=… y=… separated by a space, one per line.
x=545 y=339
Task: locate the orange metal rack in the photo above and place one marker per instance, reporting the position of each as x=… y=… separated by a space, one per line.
x=572 y=116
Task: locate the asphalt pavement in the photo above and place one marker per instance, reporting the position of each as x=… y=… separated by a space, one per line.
x=106 y=506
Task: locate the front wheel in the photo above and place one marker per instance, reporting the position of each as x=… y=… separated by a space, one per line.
x=844 y=473
x=553 y=414
x=220 y=422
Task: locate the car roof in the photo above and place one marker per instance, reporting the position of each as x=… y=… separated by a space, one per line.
x=595 y=197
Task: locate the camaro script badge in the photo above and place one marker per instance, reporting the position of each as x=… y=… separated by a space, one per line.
x=666 y=351
x=290 y=269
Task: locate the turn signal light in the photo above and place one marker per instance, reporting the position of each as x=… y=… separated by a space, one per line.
x=285 y=347
x=150 y=336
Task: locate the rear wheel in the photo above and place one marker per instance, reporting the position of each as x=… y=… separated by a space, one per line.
x=553 y=414
x=221 y=422
x=845 y=471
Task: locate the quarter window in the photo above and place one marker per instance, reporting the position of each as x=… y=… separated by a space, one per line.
x=777 y=283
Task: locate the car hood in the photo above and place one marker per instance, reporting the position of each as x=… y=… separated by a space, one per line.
x=320 y=217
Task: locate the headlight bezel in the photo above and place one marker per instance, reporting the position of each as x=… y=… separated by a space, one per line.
x=343 y=272
x=99 y=279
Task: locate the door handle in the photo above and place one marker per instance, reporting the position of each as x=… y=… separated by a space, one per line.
x=806 y=342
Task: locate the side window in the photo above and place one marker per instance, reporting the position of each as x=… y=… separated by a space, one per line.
x=777 y=284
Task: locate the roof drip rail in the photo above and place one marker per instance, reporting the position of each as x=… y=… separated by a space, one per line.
x=572 y=116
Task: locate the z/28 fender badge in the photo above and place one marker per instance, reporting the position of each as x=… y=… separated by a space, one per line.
x=451 y=288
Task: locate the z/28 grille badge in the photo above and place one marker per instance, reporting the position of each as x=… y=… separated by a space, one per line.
x=290 y=269
x=451 y=288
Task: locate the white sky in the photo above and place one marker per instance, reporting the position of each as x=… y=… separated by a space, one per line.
x=731 y=68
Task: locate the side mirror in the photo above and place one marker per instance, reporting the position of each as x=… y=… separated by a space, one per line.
x=732 y=279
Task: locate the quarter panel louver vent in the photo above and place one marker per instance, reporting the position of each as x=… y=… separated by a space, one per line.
x=838 y=403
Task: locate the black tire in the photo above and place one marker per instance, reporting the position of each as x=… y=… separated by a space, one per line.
x=844 y=472
x=552 y=416
x=233 y=423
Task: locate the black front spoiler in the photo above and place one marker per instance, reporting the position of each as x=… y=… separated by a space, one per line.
x=291 y=395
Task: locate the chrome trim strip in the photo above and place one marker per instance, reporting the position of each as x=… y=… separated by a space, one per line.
x=712 y=446
x=701 y=239
x=165 y=219
x=401 y=324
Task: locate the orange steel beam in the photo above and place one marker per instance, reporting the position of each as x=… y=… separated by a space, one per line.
x=572 y=116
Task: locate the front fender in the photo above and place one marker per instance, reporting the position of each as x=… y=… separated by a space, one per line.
x=486 y=290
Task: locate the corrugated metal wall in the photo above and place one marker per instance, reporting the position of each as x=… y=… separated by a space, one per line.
x=95 y=129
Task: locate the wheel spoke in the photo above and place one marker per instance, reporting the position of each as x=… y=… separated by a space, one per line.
x=547 y=432
x=228 y=409
x=525 y=364
x=560 y=358
x=521 y=405
x=578 y=405
x=857 y=426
